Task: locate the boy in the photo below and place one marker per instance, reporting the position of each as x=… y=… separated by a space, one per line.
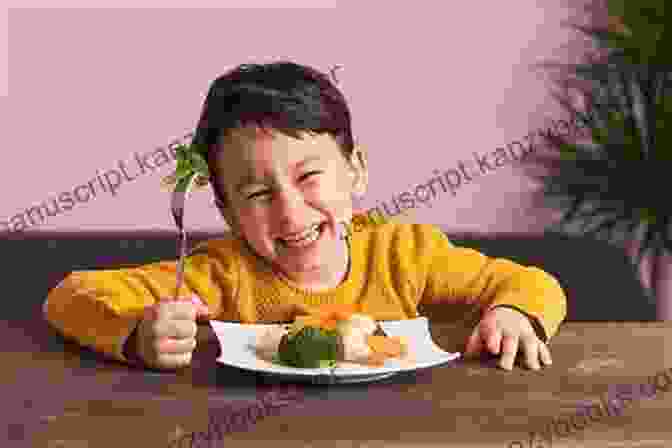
x=284 y=171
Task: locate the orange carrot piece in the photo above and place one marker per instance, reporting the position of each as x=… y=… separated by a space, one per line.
x=390 y=347
x=338 y=311
x=403 y=343
x=342 y=314
x=328 y=324
x=376 y=359
x=309 y=321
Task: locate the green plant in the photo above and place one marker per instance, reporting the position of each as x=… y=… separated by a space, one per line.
x=618 y=180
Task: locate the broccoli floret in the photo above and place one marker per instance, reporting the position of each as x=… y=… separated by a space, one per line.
x=310 y=347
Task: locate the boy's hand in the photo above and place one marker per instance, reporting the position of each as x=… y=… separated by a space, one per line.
x=166 y=336
x=506 y=331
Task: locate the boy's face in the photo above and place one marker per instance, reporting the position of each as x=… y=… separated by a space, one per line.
x=288 y=197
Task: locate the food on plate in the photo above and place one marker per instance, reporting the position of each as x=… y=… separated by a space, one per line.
x=310 y=347
x=333 y=333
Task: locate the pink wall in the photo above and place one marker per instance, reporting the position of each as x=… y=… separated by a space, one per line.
x=428 y=86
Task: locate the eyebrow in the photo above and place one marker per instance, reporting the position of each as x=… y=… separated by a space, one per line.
x=249 y=178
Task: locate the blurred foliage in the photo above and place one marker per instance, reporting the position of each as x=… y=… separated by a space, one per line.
x=618 y=181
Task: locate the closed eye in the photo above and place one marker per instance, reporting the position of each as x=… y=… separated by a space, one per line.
x=258 y=194
x=267 y=192
x=308 y=174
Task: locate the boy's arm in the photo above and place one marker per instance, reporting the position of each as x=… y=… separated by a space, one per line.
x=100 y=309
x=466 y=275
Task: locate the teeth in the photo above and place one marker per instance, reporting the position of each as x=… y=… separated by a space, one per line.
x=303 y=234
x=306 y=237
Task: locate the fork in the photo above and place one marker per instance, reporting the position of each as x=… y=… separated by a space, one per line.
x=177 y=209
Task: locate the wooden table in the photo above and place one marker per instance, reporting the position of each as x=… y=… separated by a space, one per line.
x=58 y=395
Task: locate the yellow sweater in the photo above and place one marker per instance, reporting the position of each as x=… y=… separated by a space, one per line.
x=394 y=267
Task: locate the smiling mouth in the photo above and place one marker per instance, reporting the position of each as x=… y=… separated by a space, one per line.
x=303 y=239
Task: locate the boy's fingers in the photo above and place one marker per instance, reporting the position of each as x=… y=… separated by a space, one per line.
x=491 y=334
x=178 y=310
x=184 y=309
x=202 y=310
x=176 y=329
x=173 y=360
x=177 y=346
x=532 y=351
x=509 y=352
x=494 y=339
x=545 y=354
x=474 y=344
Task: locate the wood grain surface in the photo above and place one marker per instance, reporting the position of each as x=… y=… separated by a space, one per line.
x=58 y=395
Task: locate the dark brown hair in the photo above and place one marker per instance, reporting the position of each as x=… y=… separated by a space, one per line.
x=280 y=96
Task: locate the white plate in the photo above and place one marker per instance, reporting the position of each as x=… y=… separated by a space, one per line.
x=238 y=342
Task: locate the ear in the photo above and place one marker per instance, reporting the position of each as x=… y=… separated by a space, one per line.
x=359 y=170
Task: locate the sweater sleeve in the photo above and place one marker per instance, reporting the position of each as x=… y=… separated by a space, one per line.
x=100 y=309
x=466 y=275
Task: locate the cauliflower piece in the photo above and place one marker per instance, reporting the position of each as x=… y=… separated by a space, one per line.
x=365 y=323
x=355 y=347
x=354 y=333
x=359 y=324
x=269 y=340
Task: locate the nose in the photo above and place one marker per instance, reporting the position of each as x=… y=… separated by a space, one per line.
x=290 y=207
